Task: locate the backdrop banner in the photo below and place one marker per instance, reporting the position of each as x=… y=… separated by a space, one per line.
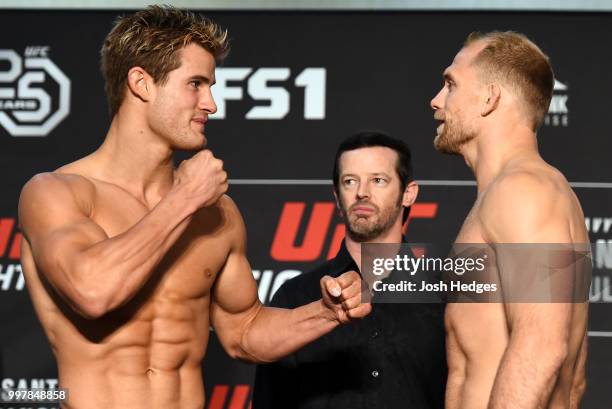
x=294 y=85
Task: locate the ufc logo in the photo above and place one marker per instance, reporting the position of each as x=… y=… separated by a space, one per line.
x=8 y=231
x=233 y=82
x=237 y=399
x=318 y=227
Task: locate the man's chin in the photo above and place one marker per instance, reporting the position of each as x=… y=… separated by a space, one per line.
x=362 y=222
x=436 y=142
x=192 y=145
x=440 y=144
x=204 y=142
x=361 y=232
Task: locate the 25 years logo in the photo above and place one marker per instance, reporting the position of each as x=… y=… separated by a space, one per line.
x=26 y=108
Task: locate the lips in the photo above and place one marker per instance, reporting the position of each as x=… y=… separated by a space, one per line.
x=440 y=122
x=200 y=123
x=362 y=210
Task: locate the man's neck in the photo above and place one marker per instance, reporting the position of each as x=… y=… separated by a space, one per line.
x=488 y=155
x=134 y=158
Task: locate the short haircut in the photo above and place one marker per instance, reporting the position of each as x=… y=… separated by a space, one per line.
x=513 y=59
x=152 y=39
x=367 y=139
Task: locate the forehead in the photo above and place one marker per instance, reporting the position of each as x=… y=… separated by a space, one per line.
x=195 y=60
x=374 y=159
x=462 y=63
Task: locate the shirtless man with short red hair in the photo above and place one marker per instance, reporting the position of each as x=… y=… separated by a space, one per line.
x=515 y=355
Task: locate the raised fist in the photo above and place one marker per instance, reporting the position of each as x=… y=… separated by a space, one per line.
x=342 y=296
x=202 y=179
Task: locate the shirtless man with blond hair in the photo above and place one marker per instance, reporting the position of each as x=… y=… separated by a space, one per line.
x=129 y=260
x=495 y=95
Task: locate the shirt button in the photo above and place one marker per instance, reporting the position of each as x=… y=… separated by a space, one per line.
x=375 y=334
x=375 y=374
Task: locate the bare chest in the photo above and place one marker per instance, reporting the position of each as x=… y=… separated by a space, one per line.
x=475 y=327
x=188 y=269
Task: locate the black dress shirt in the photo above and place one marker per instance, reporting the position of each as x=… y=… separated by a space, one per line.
x=393 y=358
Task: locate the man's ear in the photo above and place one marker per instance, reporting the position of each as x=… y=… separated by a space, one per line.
x=140 y=83
x=340 y=212
x=493 y=95
x=410 y=194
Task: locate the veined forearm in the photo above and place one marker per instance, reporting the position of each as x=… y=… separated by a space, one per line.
x=112 y=271
x=276 y=332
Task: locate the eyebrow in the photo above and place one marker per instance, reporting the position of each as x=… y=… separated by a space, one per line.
x=381 y=174
x=369 y=174
x=202 y=78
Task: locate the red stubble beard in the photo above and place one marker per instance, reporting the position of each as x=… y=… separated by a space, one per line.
x=452 y=136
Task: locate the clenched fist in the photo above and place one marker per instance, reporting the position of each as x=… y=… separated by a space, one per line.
x=342 y=296
x=202 y=179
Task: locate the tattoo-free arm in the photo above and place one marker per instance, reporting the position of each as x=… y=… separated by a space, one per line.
x=94 y=273
x=525 y=209
x=252 y=332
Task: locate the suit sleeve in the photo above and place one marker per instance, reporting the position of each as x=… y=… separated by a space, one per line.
x=276 y=383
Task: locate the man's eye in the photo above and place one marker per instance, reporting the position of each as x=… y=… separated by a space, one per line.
x=380 y=181
x=195 y=84
x=349 y=182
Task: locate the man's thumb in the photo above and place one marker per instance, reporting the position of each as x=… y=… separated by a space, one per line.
x=332 y=287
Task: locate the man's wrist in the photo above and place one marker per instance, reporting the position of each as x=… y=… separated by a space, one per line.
x=178 y=204
x=327 y=313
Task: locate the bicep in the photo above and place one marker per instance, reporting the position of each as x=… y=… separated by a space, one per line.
x=235 y=289
x=540 y=331
x=234 y=296
x=55 y=228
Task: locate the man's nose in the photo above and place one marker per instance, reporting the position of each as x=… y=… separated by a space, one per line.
x=207 y=103
x=436 y=102
x=363 y=190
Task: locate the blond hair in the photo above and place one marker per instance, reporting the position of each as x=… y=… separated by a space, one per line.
x=151 y=39
x=513 y=59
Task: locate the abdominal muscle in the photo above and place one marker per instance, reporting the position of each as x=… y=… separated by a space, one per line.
x=149 y=358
